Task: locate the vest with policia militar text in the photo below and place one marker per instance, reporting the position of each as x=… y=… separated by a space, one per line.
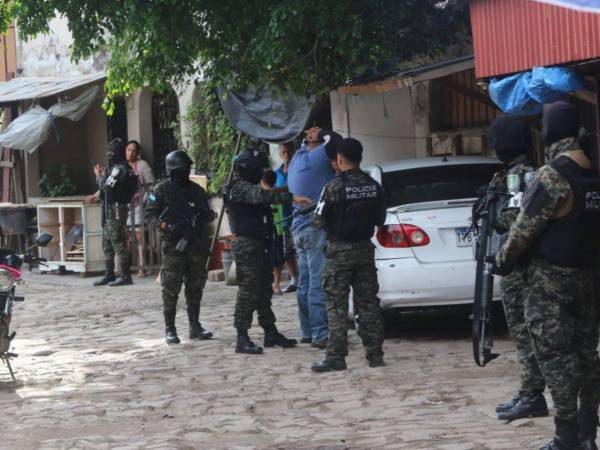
x=573 y=240
x=355 y=217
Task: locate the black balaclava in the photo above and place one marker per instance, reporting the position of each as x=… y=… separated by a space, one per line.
x=180 y=175
x=560 y=121
x=251 y=175
x=116 y=153
x=509 y=137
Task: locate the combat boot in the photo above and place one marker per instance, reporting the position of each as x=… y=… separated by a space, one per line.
x=588 y=424
x=531 y=404
x=329 y=365
x=376 y=361
x=245 y=345
x=509 y=405
x=170 y=330
x=108 y=276
x=565 y=436
x=122 y=280
x=196 y=330
x=273 y=338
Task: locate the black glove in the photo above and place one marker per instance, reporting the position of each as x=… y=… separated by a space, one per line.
x=502 y=270
x=176 y=230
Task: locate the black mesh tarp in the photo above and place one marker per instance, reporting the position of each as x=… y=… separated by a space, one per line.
x=263 y=115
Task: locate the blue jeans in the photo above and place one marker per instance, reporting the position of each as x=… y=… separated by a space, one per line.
x=310 y=245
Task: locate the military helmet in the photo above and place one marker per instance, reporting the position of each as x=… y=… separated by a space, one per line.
x=178 y=160
x=252 y=159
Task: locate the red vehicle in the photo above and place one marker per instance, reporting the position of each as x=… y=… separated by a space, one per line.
x=10 y=276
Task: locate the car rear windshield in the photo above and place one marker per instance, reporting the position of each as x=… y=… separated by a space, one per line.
x=430 y=184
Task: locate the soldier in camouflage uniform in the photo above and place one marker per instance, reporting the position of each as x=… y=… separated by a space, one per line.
x=116 y=190
x=180 y=208
x=510 y=138
x=251 y=220
x=350 y=207
x=555 y=233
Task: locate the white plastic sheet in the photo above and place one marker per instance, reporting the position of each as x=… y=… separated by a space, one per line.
x=31 y=129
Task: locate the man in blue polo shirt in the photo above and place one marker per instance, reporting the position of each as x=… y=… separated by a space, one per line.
x=308 y=172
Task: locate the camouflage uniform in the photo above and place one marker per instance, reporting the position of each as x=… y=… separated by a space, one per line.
x=349 y=264
x=114 y=230
x=251 y=255
x=178 y=267
x=512 y=286
x=559 y=301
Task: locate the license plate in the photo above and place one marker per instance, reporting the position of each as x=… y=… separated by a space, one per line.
x=465 y=237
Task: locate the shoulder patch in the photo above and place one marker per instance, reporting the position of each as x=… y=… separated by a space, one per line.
x=535 y=198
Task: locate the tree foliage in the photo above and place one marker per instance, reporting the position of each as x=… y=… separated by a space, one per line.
x=211 y=138
x=307 y=46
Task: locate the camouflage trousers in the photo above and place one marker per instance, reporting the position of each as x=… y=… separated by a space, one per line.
x=352 y=265
x=560 y=309
x=114 y=237
x=531 y=376
x=187 y=267
x=254 y=279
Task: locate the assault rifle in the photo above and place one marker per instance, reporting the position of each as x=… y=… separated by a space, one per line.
x=184 y=226
x=485 y=250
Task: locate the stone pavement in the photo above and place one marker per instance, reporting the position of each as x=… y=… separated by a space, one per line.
x=94 y=373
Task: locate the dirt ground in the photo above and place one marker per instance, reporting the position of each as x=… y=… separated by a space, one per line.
x=94 y=373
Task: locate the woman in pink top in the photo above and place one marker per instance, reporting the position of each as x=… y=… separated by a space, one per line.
x=146 y=177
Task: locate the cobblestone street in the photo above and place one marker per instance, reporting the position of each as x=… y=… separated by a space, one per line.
x=94 y=373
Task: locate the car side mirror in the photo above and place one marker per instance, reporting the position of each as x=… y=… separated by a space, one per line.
x=43 y=239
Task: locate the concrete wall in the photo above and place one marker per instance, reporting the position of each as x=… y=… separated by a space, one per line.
x=96 y=136
x=139 y=121
x=48 y=55
x=383 y=122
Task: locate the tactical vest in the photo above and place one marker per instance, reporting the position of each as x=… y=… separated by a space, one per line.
x=126 y=186
x=355 y=217
x=572 y=241
x=248 y=220
x=186 y=207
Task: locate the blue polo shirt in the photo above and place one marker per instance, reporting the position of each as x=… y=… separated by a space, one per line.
x=308 y=172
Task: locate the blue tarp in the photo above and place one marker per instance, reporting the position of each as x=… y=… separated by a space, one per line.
x=580 y=5
x=523 y=94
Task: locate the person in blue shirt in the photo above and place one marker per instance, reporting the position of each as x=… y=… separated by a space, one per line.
x=308 y=172
x=285 y=244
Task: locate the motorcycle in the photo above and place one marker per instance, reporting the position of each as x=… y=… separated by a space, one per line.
x=10 y=276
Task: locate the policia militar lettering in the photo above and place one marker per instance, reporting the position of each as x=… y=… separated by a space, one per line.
x=251 y=220
x=116 y=191
x=180 y=209
x=510 y=138
x=555 y=238
x=350 y=207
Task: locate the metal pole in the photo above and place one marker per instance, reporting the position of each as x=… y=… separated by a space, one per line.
x=222 y=212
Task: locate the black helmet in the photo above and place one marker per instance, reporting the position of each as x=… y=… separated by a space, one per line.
x=178 y=160
x=252 y=159
x=250 y=164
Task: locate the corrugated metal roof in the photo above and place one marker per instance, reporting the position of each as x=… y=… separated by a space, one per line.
x=515 y=35
x=404 y=78
x=32 y=88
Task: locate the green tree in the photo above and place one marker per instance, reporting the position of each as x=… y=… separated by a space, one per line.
x=211 y=137
x=306 y=46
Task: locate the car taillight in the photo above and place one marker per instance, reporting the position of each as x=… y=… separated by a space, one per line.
x=402 y=235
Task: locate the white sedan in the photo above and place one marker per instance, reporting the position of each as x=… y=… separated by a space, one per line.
x=424 y=254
